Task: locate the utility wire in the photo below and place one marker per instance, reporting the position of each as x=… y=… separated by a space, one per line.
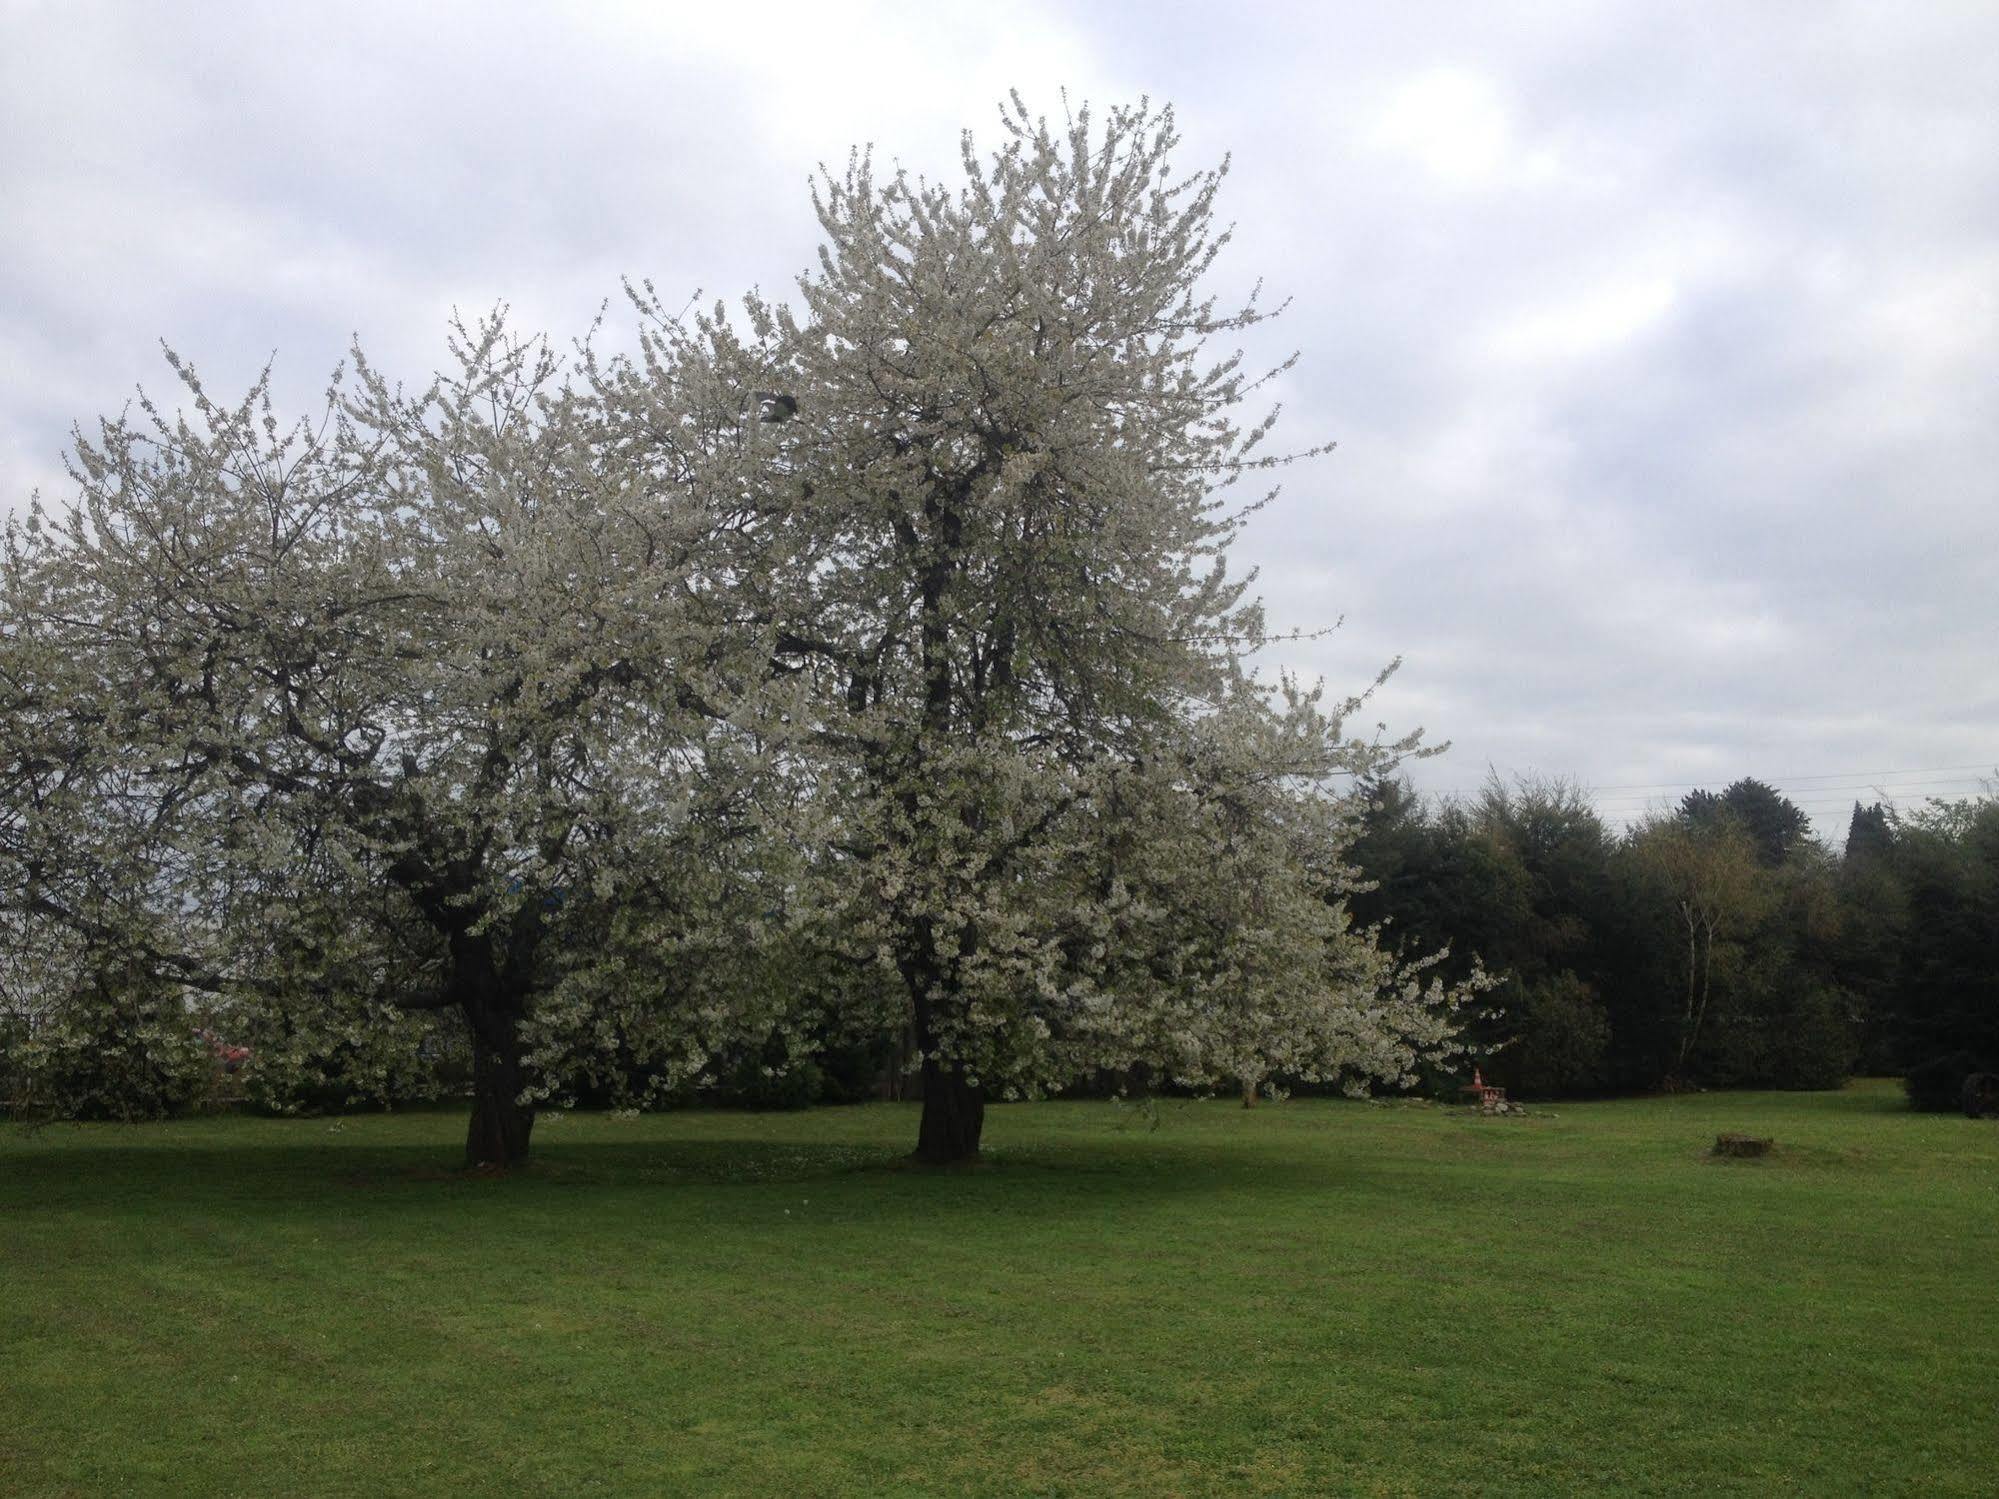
x=1987 y=766
x=1877 y=788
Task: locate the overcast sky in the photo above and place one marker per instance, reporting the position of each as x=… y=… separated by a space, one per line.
x=1661 y=341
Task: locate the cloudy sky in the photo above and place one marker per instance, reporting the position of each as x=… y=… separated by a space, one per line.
x=1661 y=341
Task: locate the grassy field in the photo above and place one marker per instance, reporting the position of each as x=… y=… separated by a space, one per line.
x=1316 y=1297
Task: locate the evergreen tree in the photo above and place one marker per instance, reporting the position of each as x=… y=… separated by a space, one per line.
x=1774 y=825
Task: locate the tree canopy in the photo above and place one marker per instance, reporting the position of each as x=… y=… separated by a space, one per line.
x=1774 y=825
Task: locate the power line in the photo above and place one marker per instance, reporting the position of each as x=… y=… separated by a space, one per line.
x=1987 y=766
x=1815 y=809
x=1808 y=808
x=1876 y=788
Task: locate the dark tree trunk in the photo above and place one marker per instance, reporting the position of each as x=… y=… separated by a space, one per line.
x=501 y=1123
x=491 y=983
x=492 y=988
x=954 y=1112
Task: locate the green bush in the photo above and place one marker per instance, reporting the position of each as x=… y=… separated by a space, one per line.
x=1816 y=1043
x=1937 y=1086
x=852 y=1070
x=1563 y=1041
x=755 y=1084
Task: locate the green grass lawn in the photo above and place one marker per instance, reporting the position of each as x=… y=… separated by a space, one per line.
x=1314 y=1297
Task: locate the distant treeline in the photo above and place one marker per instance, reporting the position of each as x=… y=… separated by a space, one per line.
x=1719 y=945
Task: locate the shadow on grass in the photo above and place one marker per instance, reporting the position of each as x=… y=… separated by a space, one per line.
x=239 y=1171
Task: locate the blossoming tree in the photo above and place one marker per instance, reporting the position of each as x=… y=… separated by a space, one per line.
x=891 y=630
x=1068 y=820
x=380 y=715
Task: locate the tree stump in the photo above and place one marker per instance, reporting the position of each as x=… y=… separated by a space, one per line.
x=1742 y=1145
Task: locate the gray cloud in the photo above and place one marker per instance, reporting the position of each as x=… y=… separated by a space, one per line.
x=1659 y=340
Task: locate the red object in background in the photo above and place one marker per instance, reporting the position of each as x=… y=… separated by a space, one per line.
x=227 y=1057
x=1485 y=1094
